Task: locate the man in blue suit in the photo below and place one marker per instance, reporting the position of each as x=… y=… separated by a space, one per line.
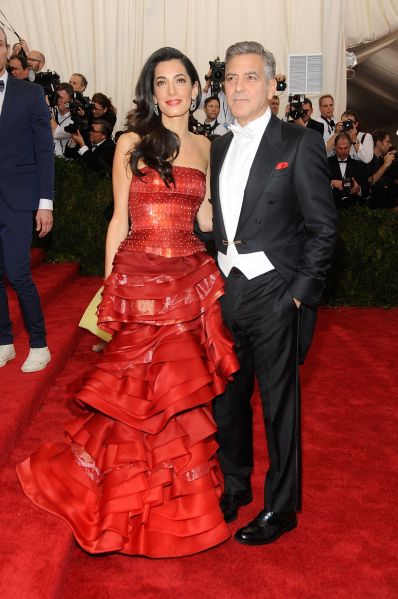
x=26 y=186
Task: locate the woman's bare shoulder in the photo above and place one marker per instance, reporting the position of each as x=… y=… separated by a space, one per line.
x=202 y=142
x=127 y=141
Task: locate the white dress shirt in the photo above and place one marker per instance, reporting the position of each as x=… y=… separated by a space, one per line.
x=3 y=78
x=233 y=179
x=43 y=203
x=365 y=148
x=61 y=137
x=85 y=148
x=218 y=128
x=328 y=128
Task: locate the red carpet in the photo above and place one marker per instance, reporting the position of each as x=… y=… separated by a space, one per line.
x=345 y=544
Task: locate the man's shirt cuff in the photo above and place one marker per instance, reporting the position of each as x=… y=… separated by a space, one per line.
x=83 y=150
x=45 y=204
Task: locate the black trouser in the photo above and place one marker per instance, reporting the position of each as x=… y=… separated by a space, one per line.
x=263 y=319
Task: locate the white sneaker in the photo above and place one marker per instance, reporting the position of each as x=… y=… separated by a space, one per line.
x=38 y=359
x=7 y=353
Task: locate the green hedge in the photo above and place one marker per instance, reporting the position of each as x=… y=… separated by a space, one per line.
x=79 y=232
x=364 y=271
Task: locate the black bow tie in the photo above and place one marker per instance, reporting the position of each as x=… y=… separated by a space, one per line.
x=344 y=161
x=2 y=86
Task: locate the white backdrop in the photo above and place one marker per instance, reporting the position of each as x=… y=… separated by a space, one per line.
x=108 y=40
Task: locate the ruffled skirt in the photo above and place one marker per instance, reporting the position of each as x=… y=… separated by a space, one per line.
x=139 y=473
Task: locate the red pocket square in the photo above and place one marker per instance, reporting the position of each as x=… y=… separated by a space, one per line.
x=281 y=165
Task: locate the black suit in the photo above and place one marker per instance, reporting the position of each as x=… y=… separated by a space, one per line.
x=355 y=169
x=99 y=159
x=288 y=212
x=26 y=176
x=316 y=125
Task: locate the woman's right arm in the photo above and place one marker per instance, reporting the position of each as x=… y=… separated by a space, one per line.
x=121 y=179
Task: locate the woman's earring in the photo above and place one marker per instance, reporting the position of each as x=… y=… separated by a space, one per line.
x=193 y=104
x=156 y=110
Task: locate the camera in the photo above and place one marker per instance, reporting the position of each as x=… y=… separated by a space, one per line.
x=348 y=125
x=281 y=85
x=81 y=122
x=347 y=185
x=217 y=75
x=296 y=106
x=201 y=128
x=49 y=80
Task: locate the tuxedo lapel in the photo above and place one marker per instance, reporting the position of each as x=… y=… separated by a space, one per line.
x=265 y=160
x=8 y=100
x=219 y=151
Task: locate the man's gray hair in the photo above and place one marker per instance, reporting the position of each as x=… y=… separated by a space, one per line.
x=253 y=48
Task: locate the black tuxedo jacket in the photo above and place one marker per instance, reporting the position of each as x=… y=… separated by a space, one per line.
x=100 y=160
x=316 y=125
x=288 y=209
x=354 y=168
x=26 y=146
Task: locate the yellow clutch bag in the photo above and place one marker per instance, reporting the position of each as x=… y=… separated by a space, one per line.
x=89 y=318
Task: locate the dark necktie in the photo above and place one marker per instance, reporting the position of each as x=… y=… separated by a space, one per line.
x=2 y=86
x=331 y=124
x=344 y=161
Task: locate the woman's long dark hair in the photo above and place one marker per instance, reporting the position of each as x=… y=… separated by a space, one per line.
x=158 y=146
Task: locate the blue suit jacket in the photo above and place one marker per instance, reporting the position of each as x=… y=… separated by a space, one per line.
x=26 y=146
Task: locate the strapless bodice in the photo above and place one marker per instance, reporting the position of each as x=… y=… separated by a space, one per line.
x=162 y=217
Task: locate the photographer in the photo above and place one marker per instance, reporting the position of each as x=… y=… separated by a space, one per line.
x=18 y=66
x=326 y=108
x=36 y=60
x=348 y=176
x=103 y=108
x=211 y=128
x=78 y=82
x=362 y=143
x=274 y=104
x=61 y=118
x=300 y=110
x=20 y=47
x=383 y=172
x=214 y=87
x=99 y=156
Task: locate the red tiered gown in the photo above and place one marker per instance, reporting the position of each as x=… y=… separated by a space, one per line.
x=139 y=473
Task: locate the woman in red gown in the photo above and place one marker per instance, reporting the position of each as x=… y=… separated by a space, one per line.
x=139 y=473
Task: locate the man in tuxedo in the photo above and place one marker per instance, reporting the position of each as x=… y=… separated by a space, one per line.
x=99 y=156
x=306 y=119
x=26 y=186
x=349 y=177
x=275 y=230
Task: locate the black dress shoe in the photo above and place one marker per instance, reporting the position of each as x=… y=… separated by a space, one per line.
x=266 y=528
x=230 y=504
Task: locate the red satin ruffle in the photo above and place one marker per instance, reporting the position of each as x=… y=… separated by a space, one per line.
x=139 y=474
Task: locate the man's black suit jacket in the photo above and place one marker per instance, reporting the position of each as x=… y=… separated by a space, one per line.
x=356 y=169
x=288 y=209
x=316 y=125
x=100 y=160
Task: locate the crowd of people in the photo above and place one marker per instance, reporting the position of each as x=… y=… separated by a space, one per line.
x=363 y=166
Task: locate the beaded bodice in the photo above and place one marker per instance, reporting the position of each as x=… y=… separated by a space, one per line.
x=162 y=217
